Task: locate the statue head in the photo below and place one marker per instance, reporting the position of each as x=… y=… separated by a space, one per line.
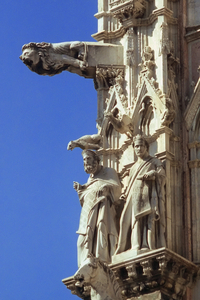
x=140 y=146
x=91 y=161
x=36 y=57
x=30 y=55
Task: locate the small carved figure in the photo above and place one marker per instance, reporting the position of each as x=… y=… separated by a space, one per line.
x=148 y=63
x=144 y=211
x=169 y=113
x=97 y=229
x=50 y=59
x=86 y=142
x=122 y=125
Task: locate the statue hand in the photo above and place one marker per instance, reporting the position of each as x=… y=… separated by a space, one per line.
x=149 y=175
x=156 y=214
x=103 y=191
x=123 y=197
x=77 y=186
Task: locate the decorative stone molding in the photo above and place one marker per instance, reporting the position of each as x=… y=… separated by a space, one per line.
x=195 y=144
x=164 y=40
x=159 y=269
x=107 y=35
x=116 y=152
x=147 y=71
x=151 y=19
x=194 y=163
x=130 y=61
x=109 y=76
x=193 y=106
x=167 y=155
x=132 y=22
x=128 y=9
x=192 y=35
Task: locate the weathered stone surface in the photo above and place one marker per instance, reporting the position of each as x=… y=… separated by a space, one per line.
x=145 y=67
x=158 y=273
x=97 y=231
x=144 y=210
x=76 y=57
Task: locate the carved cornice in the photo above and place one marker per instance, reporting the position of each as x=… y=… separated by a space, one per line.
x=152 y=18
x=157 y=270
x=116 y=151
x=132 y=22
x=107 y=76
x=193 y=33
x=195 y=144
x=192 y=106
x=106 y=35
x=150 y=139
x=165 y=155
x=103 y=14
x=194 y=163
x=126 y=9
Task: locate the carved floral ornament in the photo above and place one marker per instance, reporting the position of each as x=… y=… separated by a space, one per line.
x=109 y=76
x=127 y=9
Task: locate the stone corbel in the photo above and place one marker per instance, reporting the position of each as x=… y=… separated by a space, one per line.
x=128 y=9
x=107 y=76
x=147 y=267
x=194 y=163
x=161 y=270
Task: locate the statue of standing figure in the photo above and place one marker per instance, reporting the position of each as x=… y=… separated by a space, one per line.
x=97 y=231
x=143 y=215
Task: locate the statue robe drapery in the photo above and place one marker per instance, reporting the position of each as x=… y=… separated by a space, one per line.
x=97 y=228
x=144 y=210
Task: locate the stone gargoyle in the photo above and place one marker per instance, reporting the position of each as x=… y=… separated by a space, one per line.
x=76 y=57
x=86 y=142
x=50 y=59
x=104 y=285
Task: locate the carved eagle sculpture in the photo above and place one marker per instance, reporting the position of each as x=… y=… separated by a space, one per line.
x=86 y=142
x=122 y=125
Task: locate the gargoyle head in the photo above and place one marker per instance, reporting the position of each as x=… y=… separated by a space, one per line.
x=70 y=145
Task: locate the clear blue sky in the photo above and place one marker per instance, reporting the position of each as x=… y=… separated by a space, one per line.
x=39 y=115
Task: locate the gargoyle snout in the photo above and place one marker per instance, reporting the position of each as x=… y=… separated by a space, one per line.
x=20 y=57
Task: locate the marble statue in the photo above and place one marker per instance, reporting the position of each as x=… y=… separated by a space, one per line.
x=144 y=213
x=122 y=124
x=97 y=229
x=86 y=142
x=53 y=58
x=104 y=285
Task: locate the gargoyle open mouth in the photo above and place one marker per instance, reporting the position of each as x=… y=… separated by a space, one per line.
x=27 y=61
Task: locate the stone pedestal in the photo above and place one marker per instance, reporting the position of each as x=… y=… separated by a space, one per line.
x=158 y=274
